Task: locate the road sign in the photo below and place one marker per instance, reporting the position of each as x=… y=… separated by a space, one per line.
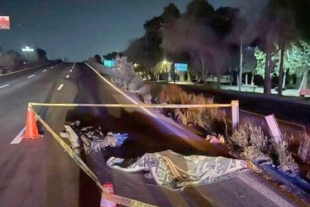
x=5 y=23
x=109 y=63
x=181 y=67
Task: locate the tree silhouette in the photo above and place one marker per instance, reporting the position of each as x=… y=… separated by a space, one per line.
x=41 y=54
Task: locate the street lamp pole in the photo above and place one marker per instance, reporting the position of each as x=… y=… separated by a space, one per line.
x=241 y=63
x=163 y=25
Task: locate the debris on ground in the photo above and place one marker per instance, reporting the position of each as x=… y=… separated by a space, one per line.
x=92 y=138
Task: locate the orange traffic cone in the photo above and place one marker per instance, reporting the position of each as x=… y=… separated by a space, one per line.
x=107 y=189
x=32 y=131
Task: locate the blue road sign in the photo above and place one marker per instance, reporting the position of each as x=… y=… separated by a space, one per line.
x=181 y=67
x=109 y=63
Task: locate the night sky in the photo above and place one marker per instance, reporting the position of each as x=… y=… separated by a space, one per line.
x=78 y=29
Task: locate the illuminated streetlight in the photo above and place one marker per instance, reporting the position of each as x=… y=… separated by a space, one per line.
x=27 y=49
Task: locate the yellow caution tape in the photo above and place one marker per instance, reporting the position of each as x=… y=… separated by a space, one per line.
x=114 y=198
x=132 y=105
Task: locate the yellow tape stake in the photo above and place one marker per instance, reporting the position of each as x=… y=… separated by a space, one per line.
x=114 y=198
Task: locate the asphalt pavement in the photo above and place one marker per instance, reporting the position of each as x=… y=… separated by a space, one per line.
x=39 y=173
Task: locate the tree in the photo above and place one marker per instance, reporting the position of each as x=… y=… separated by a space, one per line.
x=277 y=31
x=199 y=10
x=124 y=69
x=163 y=67
x=41 y=54
x=224 y=20
x=171 y=12
x=10 y=58
x=112 y=55
x=283 y=16
x=185 y=35
x=98 y=59
x=136 y=53
x=298 y=61
x=301 y=14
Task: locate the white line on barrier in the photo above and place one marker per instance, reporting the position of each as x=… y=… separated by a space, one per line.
x=6 y=85
x=60 y=87
x=67 y=76
x=162 y=122
x=121 y=92
x=31 y=76
x=44 y=71
x=19 y=137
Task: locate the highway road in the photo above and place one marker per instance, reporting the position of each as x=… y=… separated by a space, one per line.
x=39 y=173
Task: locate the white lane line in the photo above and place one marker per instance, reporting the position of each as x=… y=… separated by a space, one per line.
x=44 y=70
x=70 y=71
x=6 y=85
x=60 y=87
x=268 y=193
x=31 y=76
x=19 y=137
x=67 y=76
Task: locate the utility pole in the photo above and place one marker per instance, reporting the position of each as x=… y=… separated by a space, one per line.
x=241 y=63
x=163 y=25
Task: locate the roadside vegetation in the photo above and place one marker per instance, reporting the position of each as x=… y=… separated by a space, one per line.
x=249 y=140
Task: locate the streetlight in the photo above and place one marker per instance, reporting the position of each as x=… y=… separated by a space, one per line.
x=163 y=25
x=27 y=50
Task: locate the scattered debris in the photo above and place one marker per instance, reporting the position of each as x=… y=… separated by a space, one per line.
x=92 y=138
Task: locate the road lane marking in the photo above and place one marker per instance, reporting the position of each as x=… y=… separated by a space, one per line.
x=19 y=137
x=67 y=76
x=70 y=71
x=260 y=188
x=60 y=87
x=44 y=71
x=6 y=85
x=31 y=76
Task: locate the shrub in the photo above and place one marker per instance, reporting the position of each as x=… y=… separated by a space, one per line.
x=211 y=119
x=304 y=148
x=285 y=158
x=171 y=94
x=251 y=139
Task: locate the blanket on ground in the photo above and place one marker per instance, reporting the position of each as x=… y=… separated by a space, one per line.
x=175 y=171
